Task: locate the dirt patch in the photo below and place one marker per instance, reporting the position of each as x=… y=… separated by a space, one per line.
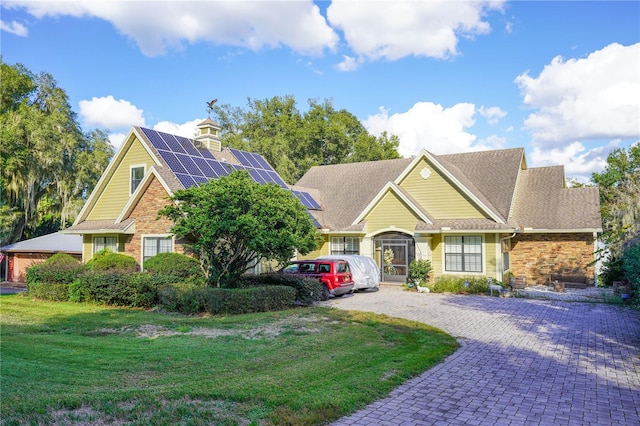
x=311 y=324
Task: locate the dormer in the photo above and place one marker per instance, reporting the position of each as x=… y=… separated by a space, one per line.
x=209 y=135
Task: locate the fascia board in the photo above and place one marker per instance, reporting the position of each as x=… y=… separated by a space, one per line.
x=427 y=156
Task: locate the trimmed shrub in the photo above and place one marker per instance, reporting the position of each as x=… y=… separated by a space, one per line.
x=612 y=270
x=46 y=291
x=60 y=268
x=248 y=300
x=50 y=279
x=460 y=285
x=113 y=287
x=106 y=260
x=175 y=265
x=308 y=290
x=186 y=298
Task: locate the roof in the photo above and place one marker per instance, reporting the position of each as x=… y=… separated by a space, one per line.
x=180 y=163
x=519 y=199
x=51 y=243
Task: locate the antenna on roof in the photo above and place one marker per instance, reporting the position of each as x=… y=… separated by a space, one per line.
x=210 y=106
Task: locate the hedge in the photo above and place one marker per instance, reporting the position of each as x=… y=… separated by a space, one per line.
x=308 y=290
x=176 y=265
x=119 y=288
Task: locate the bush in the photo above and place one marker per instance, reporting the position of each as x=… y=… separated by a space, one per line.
x=248 y=300
x=612 y=270
x=419 y=270
x=308 y=290
x=177 y=265
x=60 y=268
x=106 y=260
x=460 y=285
x=46 y=291
x=189 y=299
x=113 y=287
x=50 y=279
x=631 y=266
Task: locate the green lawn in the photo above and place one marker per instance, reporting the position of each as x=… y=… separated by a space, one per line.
x=69 y=363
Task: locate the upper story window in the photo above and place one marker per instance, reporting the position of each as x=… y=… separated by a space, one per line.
x=463 y=253
x=137 y=173
x=345 y=245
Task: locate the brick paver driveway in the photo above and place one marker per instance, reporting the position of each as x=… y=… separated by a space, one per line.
x=522 y=362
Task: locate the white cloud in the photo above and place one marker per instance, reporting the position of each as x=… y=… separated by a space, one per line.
x=492 y=114
x=596 y=97
x=108 y=113
x=116 y=139
x=188 y=129
x=14 y=27
x=396 y=29
x=348 y=64
x=432 y=127
x=578 y=162
x=159 y=26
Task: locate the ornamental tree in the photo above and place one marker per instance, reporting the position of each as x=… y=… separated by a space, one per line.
x=231 y=222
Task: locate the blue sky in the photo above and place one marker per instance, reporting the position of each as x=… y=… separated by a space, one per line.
x=561 y=79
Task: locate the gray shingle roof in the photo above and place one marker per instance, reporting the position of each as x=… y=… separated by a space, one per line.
x=348 y=188
x=532 y=198
x=542 y=202
x=57 y=242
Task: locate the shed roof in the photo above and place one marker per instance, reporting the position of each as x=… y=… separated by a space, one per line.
x=56 y=242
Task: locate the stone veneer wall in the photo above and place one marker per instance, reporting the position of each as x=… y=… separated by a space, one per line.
x=145 y=214
x=537 y=255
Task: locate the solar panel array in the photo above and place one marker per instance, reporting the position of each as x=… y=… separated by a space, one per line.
x=195 y=166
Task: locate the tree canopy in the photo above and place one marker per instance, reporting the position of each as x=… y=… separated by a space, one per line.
x=619 y=187
x=232 y=222
x=292 y=141
x=47 y=165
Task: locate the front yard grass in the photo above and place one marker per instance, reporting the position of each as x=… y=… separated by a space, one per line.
x=67 y=363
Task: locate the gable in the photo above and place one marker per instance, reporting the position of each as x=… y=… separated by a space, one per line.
x=390 y=210
x=437 y=195
x=116 y=191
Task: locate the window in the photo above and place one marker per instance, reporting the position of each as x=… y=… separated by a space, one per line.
x=463 y=254
x=154 y=245
x=345 y=245
x=137 y=173
x=101 y=243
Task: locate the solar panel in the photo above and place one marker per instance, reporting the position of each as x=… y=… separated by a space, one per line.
x=187 y=145
x=262 y=162
x=205 y=167
x=314 y=220
x=186 y=180
x=276 y=179
x=189 y=165
x=205 y=153
x=311 y=203
x=255 y=174
x=240 y=156
x=172 y=161
x=173 y=143
x=218 y=167
x=154 y=138
x=200 y=180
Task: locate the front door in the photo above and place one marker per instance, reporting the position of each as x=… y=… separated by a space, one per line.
x=394 y=253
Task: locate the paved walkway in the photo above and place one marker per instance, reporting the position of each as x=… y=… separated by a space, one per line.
x=522 y=362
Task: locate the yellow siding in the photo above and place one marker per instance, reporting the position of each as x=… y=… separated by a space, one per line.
x=116 y=193
x=488 y=252
x=323 y=250
x=438 y=196
x=390 y=211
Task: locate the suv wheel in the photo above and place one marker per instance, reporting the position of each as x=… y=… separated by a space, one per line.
x=324 y=296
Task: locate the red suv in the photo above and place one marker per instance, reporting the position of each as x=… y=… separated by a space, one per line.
x=335 y=275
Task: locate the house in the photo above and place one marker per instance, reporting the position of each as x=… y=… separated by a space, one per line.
x=477 y=213
x=121 y=214
x=17 y=257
